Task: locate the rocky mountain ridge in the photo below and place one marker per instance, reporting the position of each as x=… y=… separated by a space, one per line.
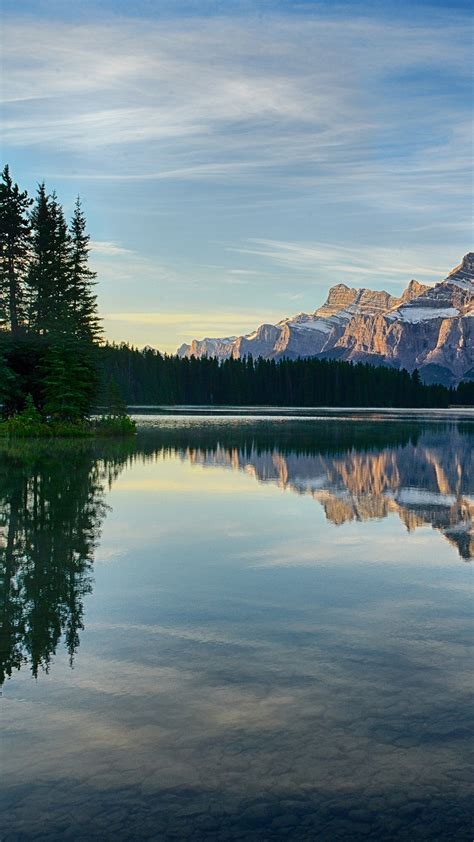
x=428 y=327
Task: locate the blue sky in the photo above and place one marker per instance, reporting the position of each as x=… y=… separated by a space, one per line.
x=237 y=159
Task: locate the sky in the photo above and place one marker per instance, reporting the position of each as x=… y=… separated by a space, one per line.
x=236 y=159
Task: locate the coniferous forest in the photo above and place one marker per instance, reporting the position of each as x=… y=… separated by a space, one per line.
x=48 y=307
x=148 y=377
x=54 y=364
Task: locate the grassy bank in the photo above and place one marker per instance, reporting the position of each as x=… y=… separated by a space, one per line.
x=31 y=425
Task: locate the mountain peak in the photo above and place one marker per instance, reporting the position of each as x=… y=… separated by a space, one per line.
x=339 y=297
x=468 y=261
x=340 y=289
x=416 y=286
x=428 y=327
x=464 y=273
x=413 y=290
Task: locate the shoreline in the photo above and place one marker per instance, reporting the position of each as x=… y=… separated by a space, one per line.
x=149 y=410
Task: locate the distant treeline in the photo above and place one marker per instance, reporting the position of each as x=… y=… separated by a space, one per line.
x=148 y=377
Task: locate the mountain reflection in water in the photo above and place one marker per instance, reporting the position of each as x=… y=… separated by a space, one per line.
x=426 y=482
x=247 y=665
x=52 y=502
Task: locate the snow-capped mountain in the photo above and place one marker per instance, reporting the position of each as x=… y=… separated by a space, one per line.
x=429 y=328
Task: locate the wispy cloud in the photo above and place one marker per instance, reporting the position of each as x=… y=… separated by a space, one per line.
x=211 y=319
x=353 y=262
x=103 y=247
x=332 y=145
x=312 y=99
x=243 y=272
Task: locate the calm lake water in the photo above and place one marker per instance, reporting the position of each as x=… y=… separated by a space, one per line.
x=239 y=628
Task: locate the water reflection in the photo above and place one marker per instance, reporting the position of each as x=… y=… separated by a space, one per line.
x=216 y=698
x=52 y=504
x=426 y=480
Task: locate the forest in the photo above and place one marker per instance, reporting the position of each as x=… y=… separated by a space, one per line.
x=49 y=321
x=148 y=377
x=56 y=369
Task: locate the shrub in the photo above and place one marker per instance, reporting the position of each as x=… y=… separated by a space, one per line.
x=115 y=425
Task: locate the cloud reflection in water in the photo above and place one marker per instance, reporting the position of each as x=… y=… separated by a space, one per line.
x=250 y=694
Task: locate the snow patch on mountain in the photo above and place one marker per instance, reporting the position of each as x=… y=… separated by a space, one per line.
x=315 y=324
x=419 y=314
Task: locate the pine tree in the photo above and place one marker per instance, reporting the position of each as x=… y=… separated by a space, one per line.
x=39 y=292
x=46 y=288
x=10 y=391
x=115 y=403
x=50 y=276
x=83 y=301
x=69 y=380
x=14 y=247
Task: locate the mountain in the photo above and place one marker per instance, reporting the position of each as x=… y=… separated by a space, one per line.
x=428 y=327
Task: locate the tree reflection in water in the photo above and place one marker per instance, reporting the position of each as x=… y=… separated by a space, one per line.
x=52 y=505
x=52 y=501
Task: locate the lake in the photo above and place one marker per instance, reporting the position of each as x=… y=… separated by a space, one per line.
x=240 y=627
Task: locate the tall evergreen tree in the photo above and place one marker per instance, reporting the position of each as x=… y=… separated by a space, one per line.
x=50 y=276
x=114 y=401
x=69 y=380
x=46 y=287
x=39 y=285
x=83 y=300
x=14 y=249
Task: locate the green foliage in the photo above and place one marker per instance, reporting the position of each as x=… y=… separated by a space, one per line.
x=28 y=419
x=48 y=306
x=24 y=358
x=60 y=284
x=114 y=401
x=30 y=413
x=26 y=426
x=115 y=425
x=64 y=412
x=82 y=299
x=49 y=278
x=69 y=381
x=9 y=386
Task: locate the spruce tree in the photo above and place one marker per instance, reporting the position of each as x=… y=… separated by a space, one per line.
x=14 y=248
x=50 y=276
x=115 y=403
x=39 y=285
x=83 y=300
x=69 y=381
x=10 y=392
